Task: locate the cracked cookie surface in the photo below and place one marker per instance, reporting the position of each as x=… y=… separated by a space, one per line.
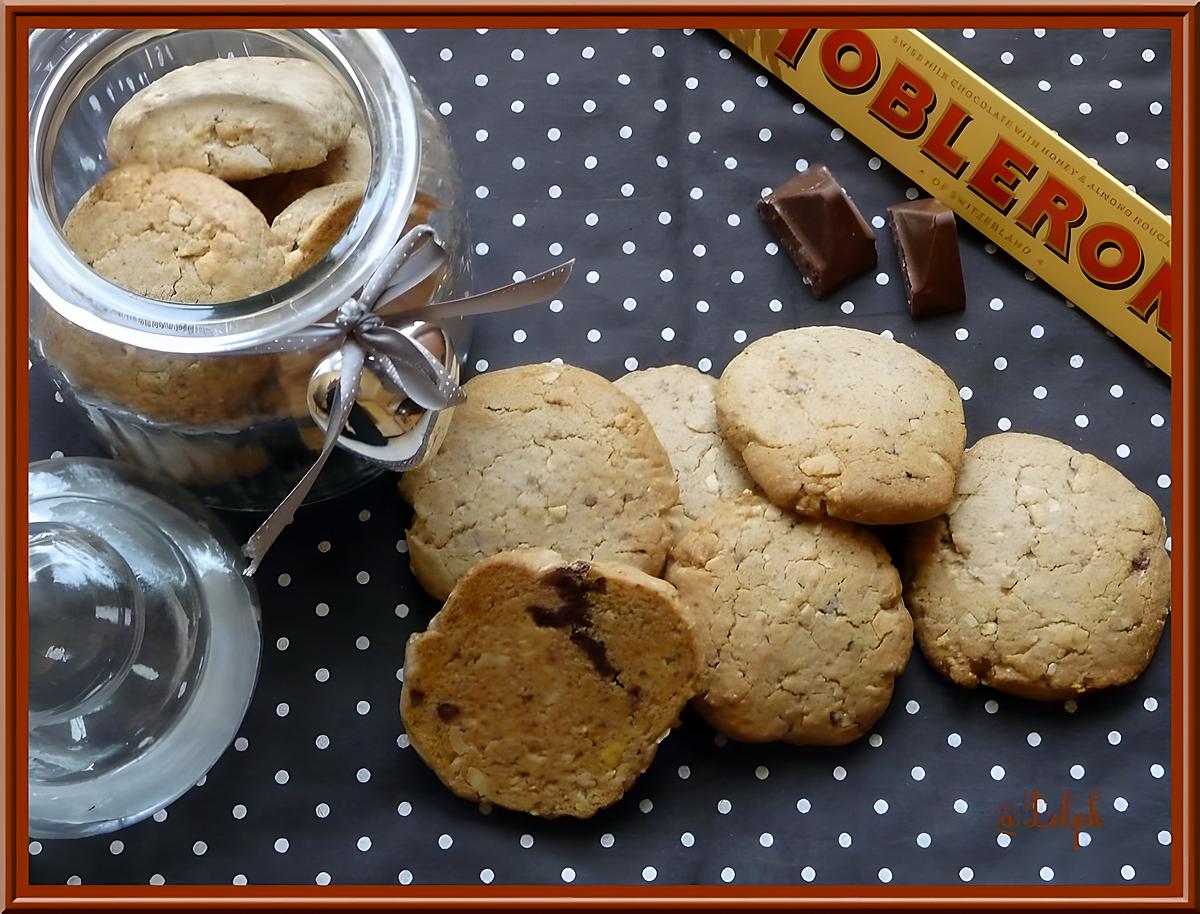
x=541 y=455
x=177 y=236
x=837 y=421
x=800 y=622
x=680 y=403
x=545 y=686
x=308 y=228
x=236 y=118
x=1047 y=577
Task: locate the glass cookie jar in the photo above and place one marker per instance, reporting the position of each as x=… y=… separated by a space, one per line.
x=172 y=386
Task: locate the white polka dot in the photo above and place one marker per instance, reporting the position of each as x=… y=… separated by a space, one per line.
x=736 y=276
x=1003 y=423
x=589 y=106
x=839 y=773
x=1122 y=450
x=321 y=742
x=991 y=706
x=631 y=364
x=875 y=740
x=727 y=105
x=660 y=104
x=1116 y=391
x=157 y=879
x=912 y=706
x=445 y=108
x=284 y=579
x=1084 y=839
x=666 y=275
x=878 y=221
x=924 y=840
x=1120 y=804
x=519 y=336
x=775 y=305
x=735 y=220
x=882 y=279
x=668 y=334
x=75 y=880
x=553 y=134
x=997 y=773
x=764 y=134
x=731 y=163
x=966 y=393
x=405 y=877
x=1162 y=164
x=445 y=842
x=282 y=777
x=699 y=250
x=1081 y=420
x=1034 y=738
x=1122 y=137
x=629 y=304
x=766 y=839
x=727 y=874
x=1148 y=55
x=1044 y=85
x=1077 y=772
x=568 y=874
x=363 y=577
x=808 y=874
x=724 y=806
x=966 y=874
x=803 y=806
x=1150 y=704
x=517 y=106
x=705 y=365
x=664 y=217
x=481 y=80
x=1108 y=33
x=762 y=772
x=845 y=840
x=282 y=845
x=116 y=847
x=918 y=773
x=160 y=816
x=363 y=707
x=322 y=609
x=1157 y=771
x=1085 y=108
x=881 y=806
x=960 y=806
x=282 y=709
x=687 y=839
x=1157 y=421
x=1046 y=873
x=1003 y=839
x=1039 y=392
x=1114 y=84
x=912 y=193
x=1128 y=872
x=1164 y=837
x=836 y=134
x=646 y=805
x=847 y=307
x=1156 y=107
x=322 y=810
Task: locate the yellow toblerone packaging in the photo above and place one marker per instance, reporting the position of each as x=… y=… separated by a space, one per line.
x=1073 y=224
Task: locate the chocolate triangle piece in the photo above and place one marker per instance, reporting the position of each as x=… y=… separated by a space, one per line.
x=926 y=238
x=821 y=229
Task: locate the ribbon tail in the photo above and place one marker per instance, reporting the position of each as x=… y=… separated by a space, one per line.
x=265 y=536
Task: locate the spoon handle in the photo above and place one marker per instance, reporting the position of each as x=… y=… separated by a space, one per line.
x=519 y=294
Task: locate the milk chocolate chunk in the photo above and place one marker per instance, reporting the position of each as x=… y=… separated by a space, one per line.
x=927 y=244
x=821 y=229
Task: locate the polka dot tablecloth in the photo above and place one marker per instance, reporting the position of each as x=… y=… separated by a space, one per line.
x=641 y=154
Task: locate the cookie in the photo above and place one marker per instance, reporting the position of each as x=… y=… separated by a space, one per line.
x=546 y=686
x=841 y=422
x=679 y=402
x=192 y=390
x=177 y=235
x=350 y=162
x=800 y=623
x=541 y=455
x=235 y=118
x=1046 y=578
x=308 y=228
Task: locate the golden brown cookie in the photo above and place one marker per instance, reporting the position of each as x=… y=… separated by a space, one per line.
x=546 y=686
x=679 y=401
x=541 y=455
x=1046 y=578
x=193 y=390
x=308 y=228
x=235 y=118
x=800 y=622
x=351 y=161
x=843 y=422
x=178 y=236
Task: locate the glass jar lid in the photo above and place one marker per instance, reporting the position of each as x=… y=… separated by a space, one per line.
x=82 y=77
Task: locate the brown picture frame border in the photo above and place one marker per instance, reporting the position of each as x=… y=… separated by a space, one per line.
x=1177 y=16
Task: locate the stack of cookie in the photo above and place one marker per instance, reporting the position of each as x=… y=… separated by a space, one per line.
x=1029 y=567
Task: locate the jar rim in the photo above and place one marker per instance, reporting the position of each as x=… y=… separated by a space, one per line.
x=369 y=67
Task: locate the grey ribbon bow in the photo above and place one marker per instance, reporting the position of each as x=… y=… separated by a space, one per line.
x=399 y=362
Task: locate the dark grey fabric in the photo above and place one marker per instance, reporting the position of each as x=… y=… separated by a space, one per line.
x=706 y=812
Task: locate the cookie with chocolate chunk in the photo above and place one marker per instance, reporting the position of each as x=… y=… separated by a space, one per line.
x=800 y=623
x=548 y=456
x=546 y=686
x=1047 y=577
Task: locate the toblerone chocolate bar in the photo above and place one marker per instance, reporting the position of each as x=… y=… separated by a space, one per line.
x=1072 y=223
